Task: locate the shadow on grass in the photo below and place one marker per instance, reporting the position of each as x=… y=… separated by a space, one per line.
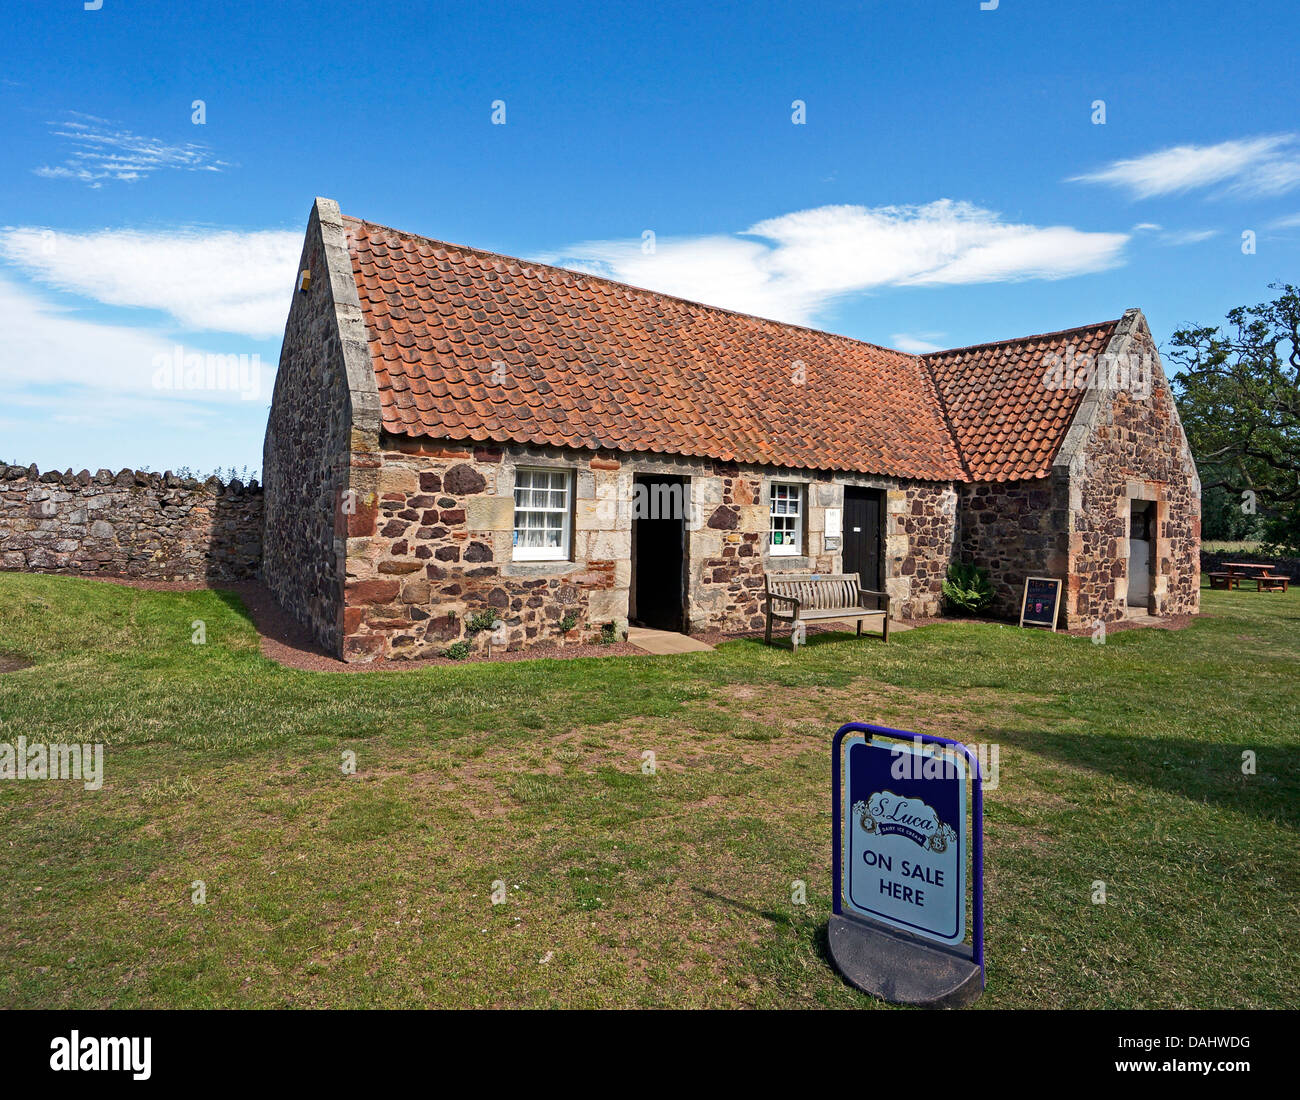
x=237 y=605
x=782 y=643
x=1196 y=770
x=766 y=914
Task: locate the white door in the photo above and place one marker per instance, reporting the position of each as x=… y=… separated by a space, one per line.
x=1139 y=572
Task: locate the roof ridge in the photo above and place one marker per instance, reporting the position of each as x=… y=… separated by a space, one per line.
x=701 y=380
x=917 y=357
x=1018 y=339
x=633 y=287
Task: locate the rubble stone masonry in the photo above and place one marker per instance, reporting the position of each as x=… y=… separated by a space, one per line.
x=128 y=524
x=309 y=446
x=430 y=558
x=1015 y=529
x=1127 y=444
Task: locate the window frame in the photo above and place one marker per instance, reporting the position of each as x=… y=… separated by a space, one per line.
x=799 y=495
x=563 y=552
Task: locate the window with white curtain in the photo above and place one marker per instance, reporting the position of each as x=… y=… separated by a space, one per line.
x=785 y=536
x=543 y=518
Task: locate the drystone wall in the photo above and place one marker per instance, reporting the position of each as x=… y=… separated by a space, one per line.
x=129 y=524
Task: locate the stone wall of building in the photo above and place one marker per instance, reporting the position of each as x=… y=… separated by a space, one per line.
x=430 y=548
x=1132 y=447
x=128 y=524
x=1015 y=529
x=920 y=544
x=307 y=452
x=1125 y=444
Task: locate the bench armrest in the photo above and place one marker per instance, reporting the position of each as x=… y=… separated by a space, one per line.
x=772 y=598
x=883 y=598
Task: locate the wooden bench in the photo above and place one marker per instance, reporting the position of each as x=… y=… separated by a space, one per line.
x=811 y=597
x=1224 y=580
x=1268 y=582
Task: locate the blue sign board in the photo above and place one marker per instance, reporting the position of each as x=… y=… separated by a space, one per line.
x=905 y=837
x=899 y=845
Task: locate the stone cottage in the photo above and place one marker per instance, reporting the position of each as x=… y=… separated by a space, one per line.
x=460 y=439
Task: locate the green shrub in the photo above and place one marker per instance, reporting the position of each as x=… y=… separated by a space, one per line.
x=480 y=621
x=609 y=634
x=967 y=588
x=567 y=623
x=458 y=651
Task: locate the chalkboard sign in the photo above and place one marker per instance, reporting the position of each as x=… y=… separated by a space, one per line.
x=1041 y=600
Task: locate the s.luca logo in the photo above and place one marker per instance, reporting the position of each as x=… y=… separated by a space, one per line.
x=888 y=814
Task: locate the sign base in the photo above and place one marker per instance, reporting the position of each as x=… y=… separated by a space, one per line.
x=902 y=969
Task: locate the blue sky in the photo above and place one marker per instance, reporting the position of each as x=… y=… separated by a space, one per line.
x=948 y=185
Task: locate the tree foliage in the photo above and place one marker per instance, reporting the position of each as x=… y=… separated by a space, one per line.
x=1238 y=396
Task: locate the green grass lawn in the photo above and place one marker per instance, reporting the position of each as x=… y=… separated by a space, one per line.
x=1118 y=762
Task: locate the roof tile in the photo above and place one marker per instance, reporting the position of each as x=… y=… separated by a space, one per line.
x=589 y=363
x=1008 y=419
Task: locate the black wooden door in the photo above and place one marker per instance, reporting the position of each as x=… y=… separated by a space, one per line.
x=863 y=509
x=658 y=555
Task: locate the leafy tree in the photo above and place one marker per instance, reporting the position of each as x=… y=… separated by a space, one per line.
x=1239 y=399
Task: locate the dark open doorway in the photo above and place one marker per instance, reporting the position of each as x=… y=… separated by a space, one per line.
x=1142 y=515
x=658 y=596
x=864 y=512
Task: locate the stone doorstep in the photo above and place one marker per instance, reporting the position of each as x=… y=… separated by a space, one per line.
x=664 y=641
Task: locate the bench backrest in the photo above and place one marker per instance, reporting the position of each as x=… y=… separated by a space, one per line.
x=823 y=591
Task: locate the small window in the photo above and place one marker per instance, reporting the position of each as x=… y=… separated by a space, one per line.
x=786 y=534
x=542 y=517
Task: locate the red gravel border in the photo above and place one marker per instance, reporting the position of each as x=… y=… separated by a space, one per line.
x=287 y=643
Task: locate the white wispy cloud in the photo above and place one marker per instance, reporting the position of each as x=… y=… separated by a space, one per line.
x=61 y=367
x=1257 y=166
x=793 y=267
x=1174 y=237
x=204 y=280
x=1291 y=221
x=98 y=149
x=916 y=343
x=1187 y=236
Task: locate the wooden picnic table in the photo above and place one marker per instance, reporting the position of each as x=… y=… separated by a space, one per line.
x=1260 y=572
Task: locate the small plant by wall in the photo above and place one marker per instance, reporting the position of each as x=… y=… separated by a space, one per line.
x=480 y=621
x=967 y=589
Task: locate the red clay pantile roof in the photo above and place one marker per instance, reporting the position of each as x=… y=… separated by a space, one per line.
x=590 y=363
x=1007 y=421
x=594 y=364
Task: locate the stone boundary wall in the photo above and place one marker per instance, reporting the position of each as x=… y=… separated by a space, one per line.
x=129 y=524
